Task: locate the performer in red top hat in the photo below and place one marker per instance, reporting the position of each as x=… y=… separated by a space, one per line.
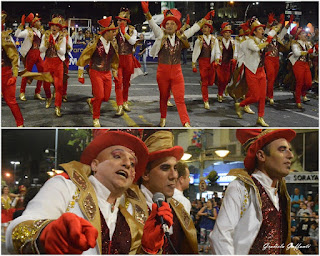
x=126 y=38
x=257 y=202
x=228 y=56
x=9 y=71
x=102 y=54
x=301 y=51
x=69 y=48
x=254 y=69
x=206 y=50
x=53 y=46
x=168 y=45
x=80 y=212
x=30 y=50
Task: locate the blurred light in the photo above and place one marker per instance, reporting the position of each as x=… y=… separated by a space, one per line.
x=26 y=176
x=15 y=162
x=222 y=152
x=57 y=171
x=257 y=3
x=104 y=17
x=17 y=182
x=193 y=12
x=307 y=29
x=69 y=6
x=144 y=27
x=186 y=156
x=231 y=2
x=8 y=174
x=50 y=173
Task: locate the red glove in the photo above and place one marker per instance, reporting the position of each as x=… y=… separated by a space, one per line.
x=12 y=81
x=291 y=18
x=188 y=19
x=282 y=19
x=122 y=28
x=194 y=70
x=316 y=46
x=269 y=39
x=145 y=7
x=69 y=234
x=23 y=20
x=271 y=18
x=209 y=14
x=310 y=51
x=81 y=80
x=153 y=235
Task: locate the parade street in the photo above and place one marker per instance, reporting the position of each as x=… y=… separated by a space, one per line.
x=144 y=104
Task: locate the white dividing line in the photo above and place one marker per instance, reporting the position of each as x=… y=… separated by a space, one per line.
x=303 y=114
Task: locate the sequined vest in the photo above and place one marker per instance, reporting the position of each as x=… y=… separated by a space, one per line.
x=205 y=50
x=170 y=54
x=262 y=58
x=36 y=42
x=273 y=228
x=227 y=54
x=101 y=61
x=177 y=237
x=5 y=61
x=303 y=58
x=121 y=239
x=51 y=52
x=124 y=47
x=273 y=49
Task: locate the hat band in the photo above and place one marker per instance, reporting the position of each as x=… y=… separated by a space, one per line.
x=249 y=142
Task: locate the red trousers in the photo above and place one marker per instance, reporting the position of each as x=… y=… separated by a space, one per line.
x=9 y=94
x=302 y=73
x=272 y=68
x=32 y=58
x=55 y=67
x=223 y=73
x=207 y=74
x=65 y=71
x=169 y=77
x=125 y=71
x=257 y=84
x=101 y=89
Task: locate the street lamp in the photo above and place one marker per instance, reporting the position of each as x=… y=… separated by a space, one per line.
x=246 y=12
x=15 y=163
x=222 y=152
x=186 y=156
x=55 y=156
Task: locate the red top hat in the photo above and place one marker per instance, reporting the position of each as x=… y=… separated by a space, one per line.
x=124 y=14
x=172 y=14
x=225 y=27
x=296 y=31
x=58 y=21
x=253 y=140
x=209 y=24
x=32 y=19
x=160 y=145
x=106 y=25
x=22 y=188
x=245 y=30
x=106 y=139
x=255 y=23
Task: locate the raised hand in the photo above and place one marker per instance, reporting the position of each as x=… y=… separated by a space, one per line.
x=145 y=7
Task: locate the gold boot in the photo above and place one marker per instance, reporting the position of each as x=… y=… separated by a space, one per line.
x=22 y=96
x=120 y=111
x=220 y=98
x=271 y=101
x=64 y=98
x=238 y=109
x=169 y=104
x=37 y=96
x=248 y=110
x=162 y=122
x=20 y=126
x=126 y=106
x=90 y=105
x=96 y=122
x=206 y=105
x=57 y=111
x=261 y=122
x=187 y=124
x=299 y=105
x=305 y=99
x=48 y=102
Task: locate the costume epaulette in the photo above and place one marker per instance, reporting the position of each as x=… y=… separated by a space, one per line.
x=219 y=38
x=5 y=37
x=30 y=33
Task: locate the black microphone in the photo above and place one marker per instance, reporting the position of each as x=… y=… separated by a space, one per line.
x=159 y=198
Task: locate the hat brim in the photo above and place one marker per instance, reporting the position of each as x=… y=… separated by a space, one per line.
x=163 y=24
x=107 y=29
x=176 y=151
x=121 y=18
x=250 y=159
x=261 y=25
x=57 y=24
x=114 y=138
x=223 y=31
x=35 y=21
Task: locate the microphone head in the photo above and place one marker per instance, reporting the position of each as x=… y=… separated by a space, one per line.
x=158 y=197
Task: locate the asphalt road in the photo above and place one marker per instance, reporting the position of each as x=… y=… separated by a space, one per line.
x=144 y=103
